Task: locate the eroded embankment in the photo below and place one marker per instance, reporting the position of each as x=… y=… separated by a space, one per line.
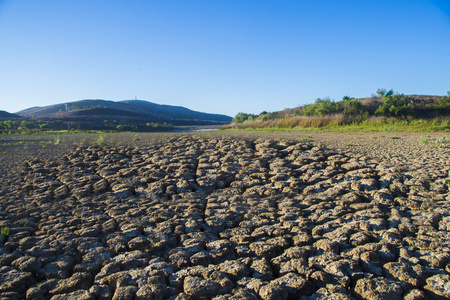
x=202 y=218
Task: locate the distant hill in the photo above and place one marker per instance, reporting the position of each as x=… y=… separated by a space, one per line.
x=98 y=114
x=139 y=107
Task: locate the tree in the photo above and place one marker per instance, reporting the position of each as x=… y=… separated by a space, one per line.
x=396 y=105
x=122 y=127
x=443 y=104
x=384 y=92
x=26 y=125
x=351 y=106
x=242 y=117
x=9 y=124
x=324 y=107
x=347 y=98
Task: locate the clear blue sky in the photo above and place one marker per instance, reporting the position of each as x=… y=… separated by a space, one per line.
x=220 y=56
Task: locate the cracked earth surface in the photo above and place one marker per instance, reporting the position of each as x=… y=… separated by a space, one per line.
x=228 y=216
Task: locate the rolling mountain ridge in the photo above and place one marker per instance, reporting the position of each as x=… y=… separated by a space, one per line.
x=137 y=107
x=110 y=115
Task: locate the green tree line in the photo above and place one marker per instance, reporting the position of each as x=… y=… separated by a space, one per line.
x=393 y=104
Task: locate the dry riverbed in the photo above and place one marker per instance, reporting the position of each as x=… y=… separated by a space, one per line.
x=226 y=215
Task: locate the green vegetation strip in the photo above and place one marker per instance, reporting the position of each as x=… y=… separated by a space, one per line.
x=419 y=125
x=388 y=112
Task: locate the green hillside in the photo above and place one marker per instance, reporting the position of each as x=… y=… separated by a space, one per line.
x=388 y=107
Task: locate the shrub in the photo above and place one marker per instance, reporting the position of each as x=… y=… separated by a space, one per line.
x=100 y=141
x=396 y=105
x=126 y=128
x=242 y=117
x=4 y=232
x=443 y=104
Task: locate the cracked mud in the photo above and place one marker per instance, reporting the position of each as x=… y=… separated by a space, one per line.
x=227 y=218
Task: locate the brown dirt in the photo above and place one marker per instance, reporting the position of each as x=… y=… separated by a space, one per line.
x=226 y=215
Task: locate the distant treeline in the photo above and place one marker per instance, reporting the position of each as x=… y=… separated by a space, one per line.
x=388 y=104
x=27 y=126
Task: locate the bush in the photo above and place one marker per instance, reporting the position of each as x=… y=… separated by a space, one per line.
x=395 y=105
x=126 y=128
x=242 y=117
x=443 y=104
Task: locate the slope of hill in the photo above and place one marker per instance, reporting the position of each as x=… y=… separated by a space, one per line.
x=388 y=107
x=4 y=115
x=172 y=112
x=138 y=107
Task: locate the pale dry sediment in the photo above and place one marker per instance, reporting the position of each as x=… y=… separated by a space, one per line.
x=230 y=217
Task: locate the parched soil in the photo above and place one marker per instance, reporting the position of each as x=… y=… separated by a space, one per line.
x=225 y=215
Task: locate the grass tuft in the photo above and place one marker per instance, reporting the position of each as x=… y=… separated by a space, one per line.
x=425 y=140
x=100 y=141
x=57 y=140
x=4 y=232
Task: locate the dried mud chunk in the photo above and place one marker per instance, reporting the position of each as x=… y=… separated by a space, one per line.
x=320 y=278
x=350 y=166
x=438 y=286
x=327 y=245
x=100 y=186
x=273 y=292
x=125 y=293
x=409 y=273
x=58 y=269
x=220 y=250
x=16 y=281
x=435 y=259
x=61 y=192
x=76 y=282
x=292 y=286
x=27 y=264
x=415 y=295
x=35 y=293
x=226 y=285
x=180 y=259
x=234 y=269
x=77 y=295
x=101 y=292
x=138 y=243
x=360 y=238
x=344 y=271
x=198 y=287
x=150 y=291
x=297 y=265
x=302 y=239
x=348 y=199
x=200 y=258
x=378 y=289
x=264 y=249
x=261 y=269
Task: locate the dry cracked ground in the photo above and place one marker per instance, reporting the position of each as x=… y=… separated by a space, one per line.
x=228 y=217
